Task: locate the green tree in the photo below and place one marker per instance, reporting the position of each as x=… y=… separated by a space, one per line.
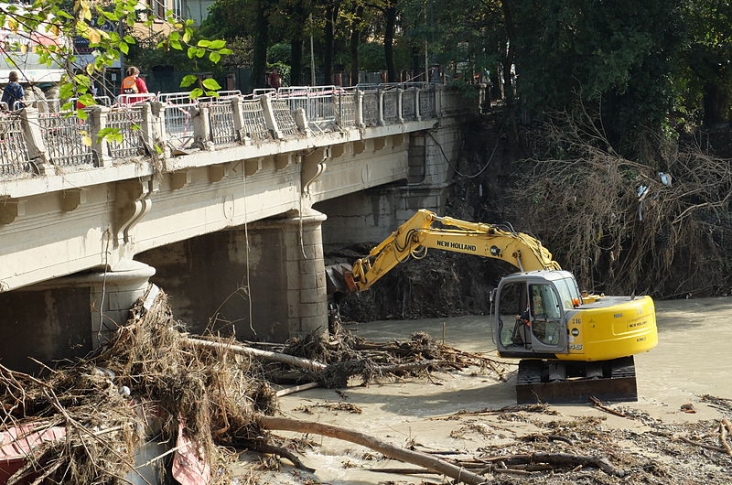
x=616 y=56
x=86 y=19
x=707 y=58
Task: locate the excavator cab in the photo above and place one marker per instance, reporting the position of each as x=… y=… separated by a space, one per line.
x=531 y=311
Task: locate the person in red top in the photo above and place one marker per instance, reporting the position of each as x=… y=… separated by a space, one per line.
x=133 y=84
x=274 y=79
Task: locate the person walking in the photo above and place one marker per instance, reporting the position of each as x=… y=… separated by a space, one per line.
x=133 y=84
x=13 y=94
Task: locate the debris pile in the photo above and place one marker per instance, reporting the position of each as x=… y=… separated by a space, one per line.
x=205 y=398
x=202 y=397
x=145 y=381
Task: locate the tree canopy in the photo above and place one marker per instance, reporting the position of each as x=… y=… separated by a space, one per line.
x=613 y=85
x=49 y=26
x=638 y=63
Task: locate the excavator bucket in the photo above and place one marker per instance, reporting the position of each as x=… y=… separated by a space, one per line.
x=339 y=279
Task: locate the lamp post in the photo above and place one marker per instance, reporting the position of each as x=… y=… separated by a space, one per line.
x=312 y=54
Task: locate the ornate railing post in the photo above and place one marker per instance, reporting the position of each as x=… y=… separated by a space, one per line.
x=148 y=128
x=381 y=121
x=202 y=129
x=34 y=139
x=97 y=122
x=417 y=103
x=438 y=90
x=301 y=120
x=237 y=106
x=400 y=111
x=359 y=109
x=157 y=130
x=269 y=116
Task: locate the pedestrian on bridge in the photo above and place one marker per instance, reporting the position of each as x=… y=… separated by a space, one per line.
x=13 y=94
x=274 y=79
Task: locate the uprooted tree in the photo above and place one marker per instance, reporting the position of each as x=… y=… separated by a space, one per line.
x=661 y=226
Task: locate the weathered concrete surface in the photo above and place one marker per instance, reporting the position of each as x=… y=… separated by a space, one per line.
x=692 y=359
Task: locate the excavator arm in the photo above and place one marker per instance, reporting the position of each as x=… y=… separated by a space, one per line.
x=426 y=230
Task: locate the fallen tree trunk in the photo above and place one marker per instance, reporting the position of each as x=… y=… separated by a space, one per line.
x=265 y=354
x=416 y=458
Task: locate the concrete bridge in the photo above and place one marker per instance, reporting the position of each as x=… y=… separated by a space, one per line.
x=227 y=204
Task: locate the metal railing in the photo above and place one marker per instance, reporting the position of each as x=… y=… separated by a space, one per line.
x=145 y=123
x=254 y=125
x=283 y=117
x=178 y=112
x=14 y=158
x=129 y=123
x=130 y=100
x=67 y=139
x=221 y=116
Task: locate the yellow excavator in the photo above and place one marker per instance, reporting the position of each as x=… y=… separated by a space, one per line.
x=572 y=345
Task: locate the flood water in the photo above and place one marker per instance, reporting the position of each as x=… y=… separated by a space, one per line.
x=693 y=356
x=692 y=359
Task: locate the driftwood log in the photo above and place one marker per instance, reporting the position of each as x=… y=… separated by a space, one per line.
x=566 y=459
x=724 y=427
x=307 y=364
x=264 y=354
x=459 y=474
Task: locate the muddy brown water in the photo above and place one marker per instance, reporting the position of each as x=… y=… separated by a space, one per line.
x=693 y=358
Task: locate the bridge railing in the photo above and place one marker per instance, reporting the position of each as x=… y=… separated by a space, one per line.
x=14 y=158
x=44 y=139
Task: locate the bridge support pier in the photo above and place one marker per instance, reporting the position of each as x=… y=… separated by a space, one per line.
x=67 y=317
x=263 y=281
x=300 y=272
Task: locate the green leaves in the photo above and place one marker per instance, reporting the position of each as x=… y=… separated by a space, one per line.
x=208 y=87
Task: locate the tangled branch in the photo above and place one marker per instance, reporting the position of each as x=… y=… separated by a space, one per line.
x=661 y=227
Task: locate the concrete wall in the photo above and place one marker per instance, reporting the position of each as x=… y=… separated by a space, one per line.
x=68 y=317
x=46 y=325
x=371 y=215
x=213 y=280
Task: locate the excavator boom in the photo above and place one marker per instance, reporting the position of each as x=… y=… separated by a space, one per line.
x=426 y=230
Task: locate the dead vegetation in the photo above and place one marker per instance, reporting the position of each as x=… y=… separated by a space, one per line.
x=659 y=226
x=153 y=379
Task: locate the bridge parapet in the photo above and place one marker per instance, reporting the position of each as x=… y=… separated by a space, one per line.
x=44 y=140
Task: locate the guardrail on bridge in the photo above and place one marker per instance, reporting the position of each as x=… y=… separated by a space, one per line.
x=43 y=138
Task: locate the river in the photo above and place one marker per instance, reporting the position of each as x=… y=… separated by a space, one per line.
x=692 y=359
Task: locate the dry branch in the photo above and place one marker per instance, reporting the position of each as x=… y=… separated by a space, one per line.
x=601 y=406
x=724 y=426
x=604 y=214
x=566 y=459
x=294 y=389
x=265 y=354
x=414 y=457
x=701 y=445
x=404 y=471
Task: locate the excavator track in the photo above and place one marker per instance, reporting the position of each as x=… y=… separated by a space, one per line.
x=563 y=382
